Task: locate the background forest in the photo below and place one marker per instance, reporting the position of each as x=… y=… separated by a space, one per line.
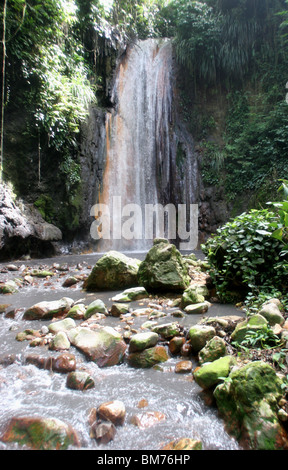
x=58 y=58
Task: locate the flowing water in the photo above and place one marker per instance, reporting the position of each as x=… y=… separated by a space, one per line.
x=26 y=390
x=138 y=142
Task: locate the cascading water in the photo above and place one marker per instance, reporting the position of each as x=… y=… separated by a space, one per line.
x=137 y=143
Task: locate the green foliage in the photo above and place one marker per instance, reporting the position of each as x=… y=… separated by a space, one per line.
x=244 y=255
x=263 y=338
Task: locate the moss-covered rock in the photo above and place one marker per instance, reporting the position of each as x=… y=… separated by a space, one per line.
x=97 y=306
x=148 y=358
x=40 y=433
x=248 y=404
x=194 y=294
x=199 y=335
x=254 y=323
x=211 y=373
x=131 y=295
x=141 y=341
x=113 y=271
x=163 y=269
x=214 y=349
x=46 y=310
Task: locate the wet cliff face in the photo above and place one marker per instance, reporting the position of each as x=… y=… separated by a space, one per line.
x=141 y=150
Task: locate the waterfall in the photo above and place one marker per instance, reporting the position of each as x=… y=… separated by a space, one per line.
x=137 y=142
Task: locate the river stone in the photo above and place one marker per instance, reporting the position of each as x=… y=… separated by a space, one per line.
x=248 y=402
x=214 y=349
x=148 y=357
x=8 y=287
x=104 y=346
x=147 y=419
x=167 y=330
x=199 y=335
x=175 y=344
x=97 y=306
x=113 y=411
x=131 y=295
x=103 y=432
x=59 y=342
x=254 y=323
x=119 y=309
x=79 y=380
x=77 y=312
x=197 y=308
x=141 y=341
x=40 y=433
x=61 y=325
x=163 y=269
x=272 y=313
x=113 y=271
x=183 y=444
x=47 y=310
x=209 y=374
x=182 y=367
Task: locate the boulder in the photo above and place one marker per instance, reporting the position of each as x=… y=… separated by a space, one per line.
x=113 y=271
x=248 y=403
x=163 y=269
x=194 y=294
x=63 y=363
x=148 y=357
x=270 y=311
x=119 y=309
x=182 y=367
x=8 y=287
x=199 y=335
x=210 y=374
x=104 y=346
x=40 y=433
x=214 y=349
x=47 y=310
x=77 y=312
x=23 y=230
x=141 y=341
x=254 y=323
x=167 y=330
x=175 y=344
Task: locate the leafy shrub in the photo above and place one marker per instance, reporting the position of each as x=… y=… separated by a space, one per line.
x=244 y=256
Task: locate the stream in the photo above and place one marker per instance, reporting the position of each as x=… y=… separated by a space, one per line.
x=26 y=390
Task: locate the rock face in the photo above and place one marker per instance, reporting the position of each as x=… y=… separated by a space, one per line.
x=248 y=404
x=163 y=269
x=104 y=346
x=23 y=230
x=113 y=271
x=40 y=433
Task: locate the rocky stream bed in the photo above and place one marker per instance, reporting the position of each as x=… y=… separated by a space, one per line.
x=129 y=368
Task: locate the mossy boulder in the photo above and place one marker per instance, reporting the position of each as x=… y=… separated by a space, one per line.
x=148 y=357
x=199 y=335
x=248 y=404
x=163 y=269
x=61 y=325
x=211 y=373
x=167 y=330
x=141 y=341
x=254 y=323
x=214 y=349
x=113 y=271
x=272 y=313
x=79 y=380
x=40 y=433
x=194 y=294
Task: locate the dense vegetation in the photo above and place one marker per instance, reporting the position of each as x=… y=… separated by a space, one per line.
x=58 y=56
